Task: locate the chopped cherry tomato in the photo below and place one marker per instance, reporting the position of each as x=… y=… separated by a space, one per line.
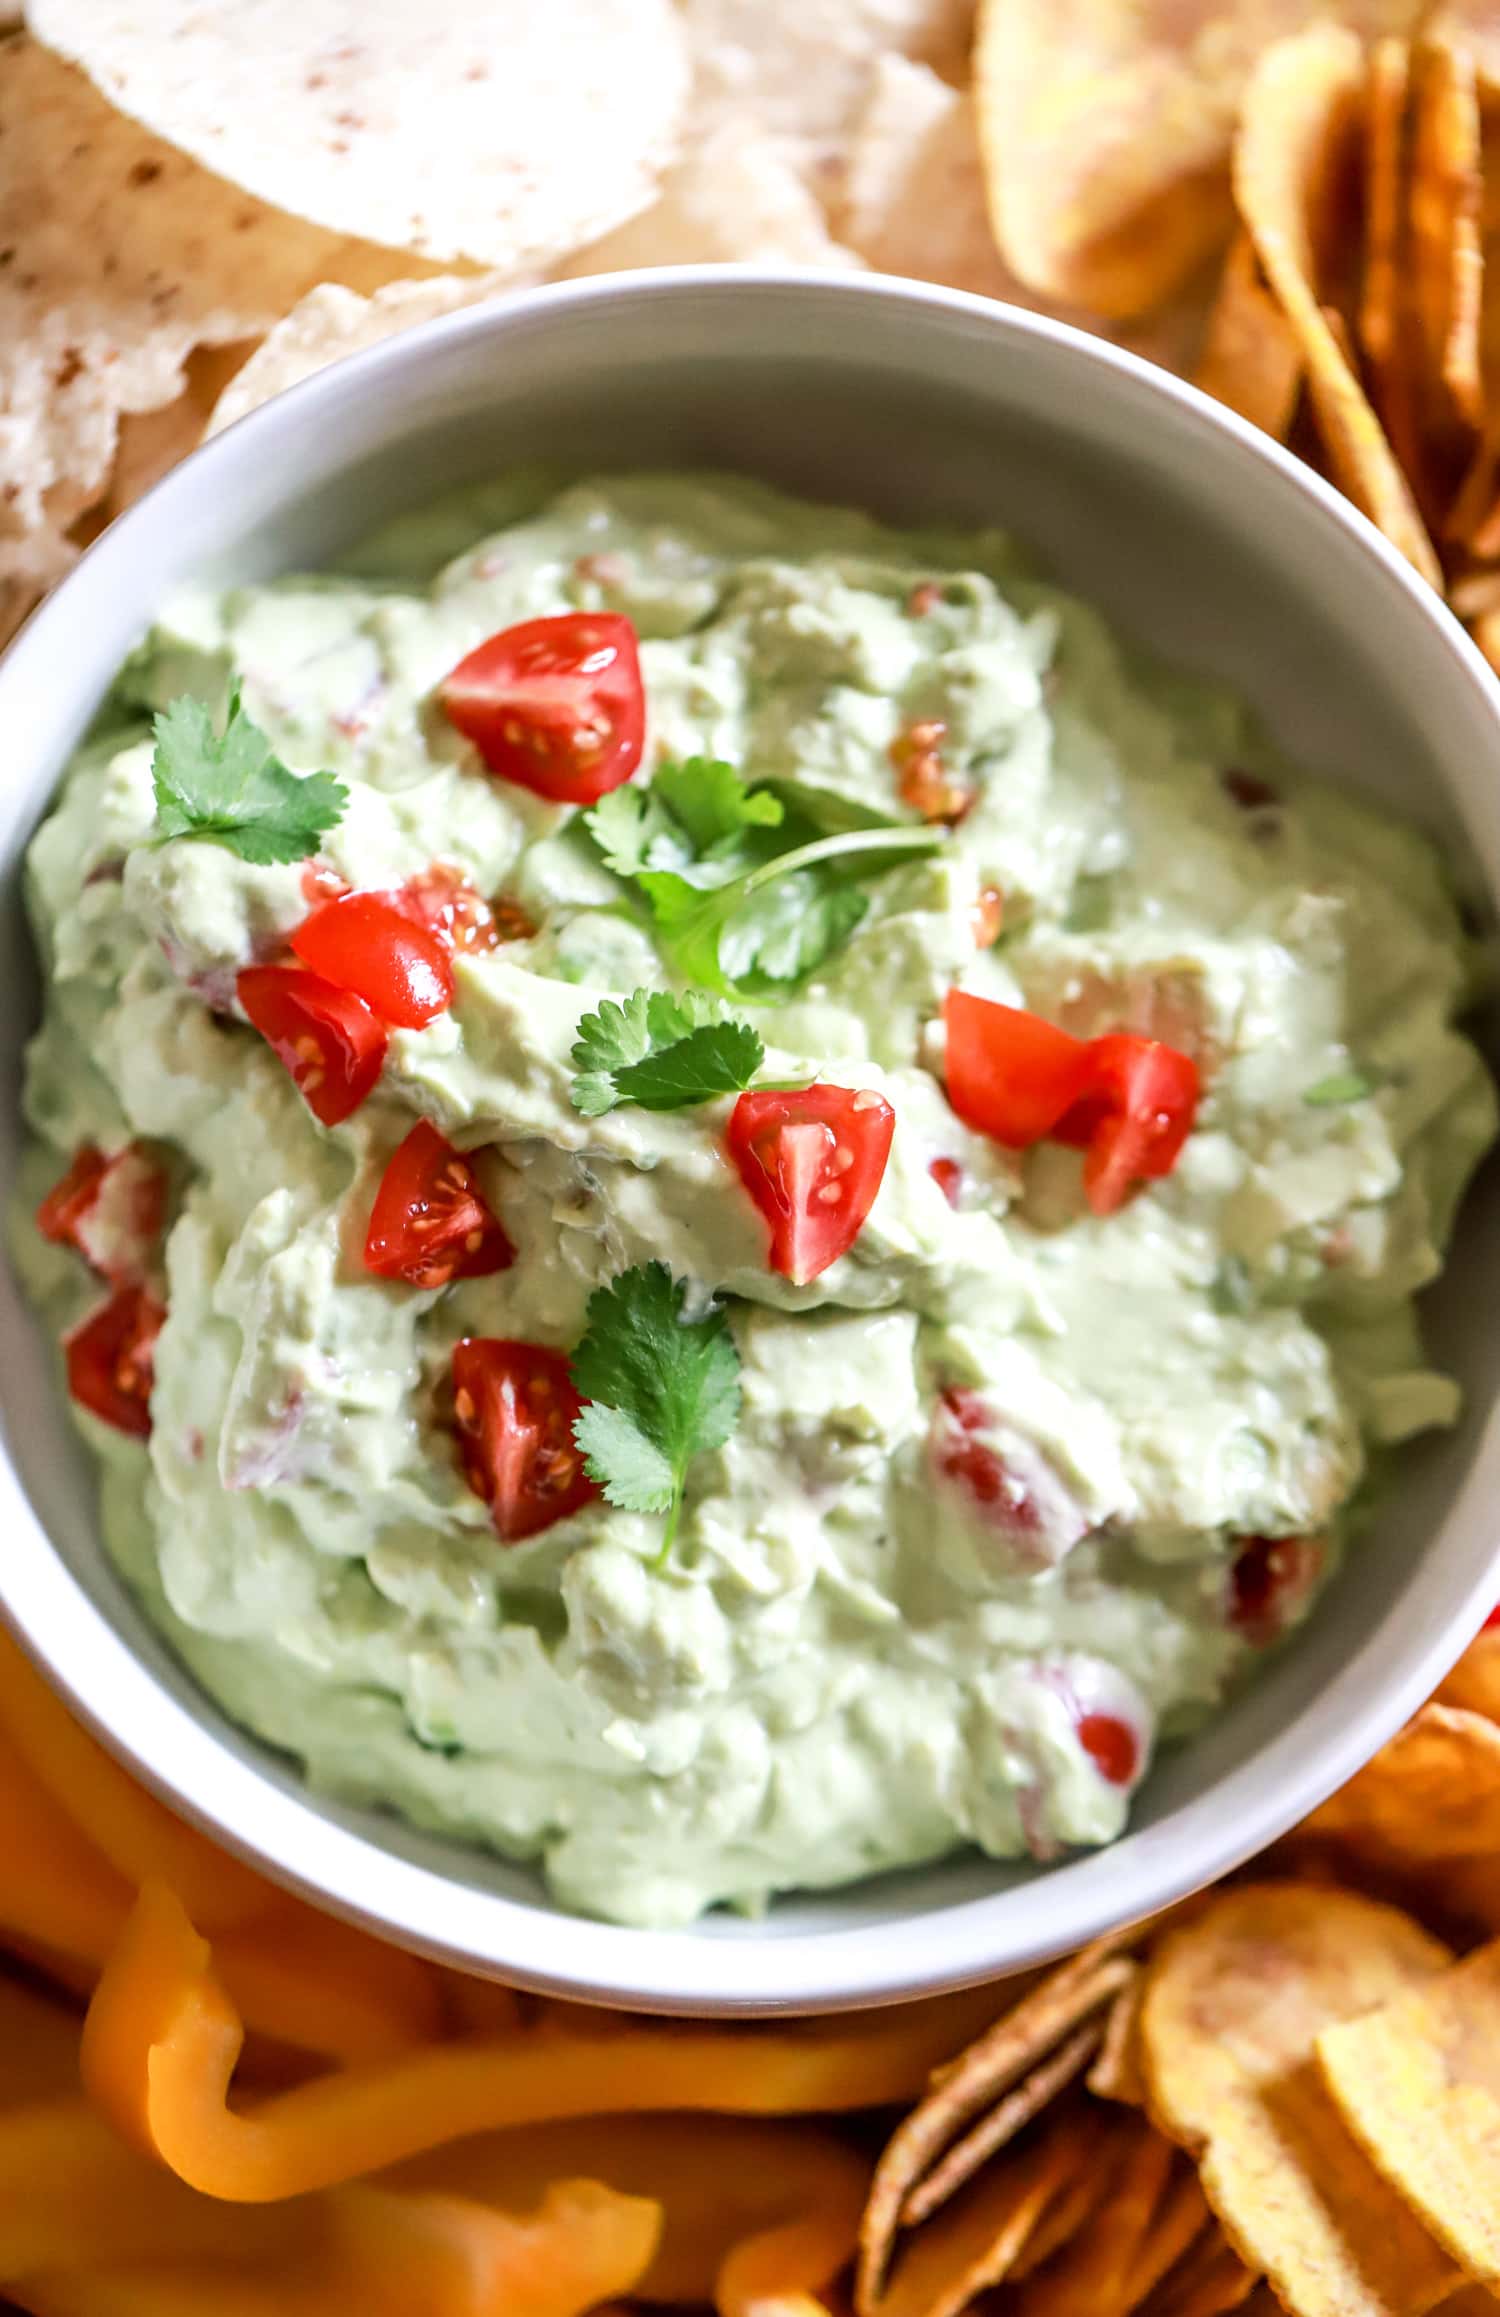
x=1010 y=1073
x=987 y=916
x=320 y=882
x=445 y=902
x=110 y=1210
x=1112 y=1745
x=962 y=1454
x=110 y=1360
x=949 y=1177
x=554 y=704
x=371 y=944
x=430 y=1222
x=812 y=1161
x=1269 y=1582
x=515 y=1405
x=1134 y=1116
x=328 y=1038
x=1493 y=1619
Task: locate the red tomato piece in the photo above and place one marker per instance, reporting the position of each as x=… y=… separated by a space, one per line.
x=1134 y=1116
x=1269 y=1582
x=812 y=1160
x=322 y=882
x=556 y=705
x=110 y=1360
x=1492 y=1620
x=949 y=1177
x=371 y=944
x=110 y=1210
x=515 y=1404
x=1112 y=1745
x=328 y=1038
x=962 y=1454
x=442 y=899
x=431 y=1222
x=1010 y=1073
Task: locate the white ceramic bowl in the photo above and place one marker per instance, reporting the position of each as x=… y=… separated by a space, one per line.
x=1192 y=531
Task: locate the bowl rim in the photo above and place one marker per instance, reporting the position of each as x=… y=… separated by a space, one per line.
x=286 y=1834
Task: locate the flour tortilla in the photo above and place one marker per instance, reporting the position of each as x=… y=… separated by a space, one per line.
x=501 y=132
x=126 y=256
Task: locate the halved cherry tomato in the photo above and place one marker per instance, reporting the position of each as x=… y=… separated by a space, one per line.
x=372 y=944
x=1134 y=1116
x=515 y=1405
x=328 y=1038
x=1492 y=1620
x=1010 y=1073
x=1269 y=1583
x=1112 y=1745
x=556 y=705
x=110 y=1360
x=442 y=899
x=110 y=1210
x=430 y=1222
x=812 y=1161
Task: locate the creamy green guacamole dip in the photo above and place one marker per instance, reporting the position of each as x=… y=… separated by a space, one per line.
x=848 y=1661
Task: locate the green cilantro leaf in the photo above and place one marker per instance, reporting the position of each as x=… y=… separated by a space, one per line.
x=661 y=1051
x=661 y=1389
x=1341 y=1086
x=235 y=788
x=743 y=900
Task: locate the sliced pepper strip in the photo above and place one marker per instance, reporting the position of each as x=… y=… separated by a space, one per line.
x=296 y=1976
x=162 y=2041
x=138 y=1837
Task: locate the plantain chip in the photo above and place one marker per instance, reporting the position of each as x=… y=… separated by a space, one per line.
x=1292 y=173
x=1208 y=2280
x=1418 y=2084
x=1446 y=254
x=1095 y=2269
x=1474 y=1683
x=1427 y=1801
x=974 y=2241
x=1234 y=2002
x=1116 y=2072
x=1250 y=359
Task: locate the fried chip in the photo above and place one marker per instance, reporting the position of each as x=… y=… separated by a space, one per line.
x=1250 y=359
x=122 y=263
x=1446 y=256
x=973 y=2242
x=1429 y=1798
x=1104 y=2268
x=1081 y=2197
x=735 y=199
x=331 y=322
x=487 y=131
x=799 y=70
x=1234 y=2002
x=1116 y=2072
x=1004 y=2080
x=1380 y=304
x=1474 y=1683
x=914 y=200
x=1291 y=159
x=1107 y=125
x=1206 y=2281
x=1418 y=2084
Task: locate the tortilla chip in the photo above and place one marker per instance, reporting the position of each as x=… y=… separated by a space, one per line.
x=1019 y=2065
x=123 y=262
x=1430 y=1797
x=1250 y=359
x=1107 y=125
x=1473 y=1686
x=492 y=131
x=1446 y=256
x=1116 y=2072
x=1380 y=304
x=973 y=2242
x=1234 y=2002
x=1486 y=634
x=1104 y=2268
x=1418 y=2084
x=913 y=198
x=1291 y=161
x=331 y=322
x=736 y=198
x=799 y=70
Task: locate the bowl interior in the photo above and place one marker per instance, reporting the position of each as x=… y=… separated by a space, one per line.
x=1196 y=539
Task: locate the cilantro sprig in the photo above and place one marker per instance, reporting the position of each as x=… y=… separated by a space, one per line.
x=661 y=1389
x=233 y=787
x=662 y=1052
x=745 y=898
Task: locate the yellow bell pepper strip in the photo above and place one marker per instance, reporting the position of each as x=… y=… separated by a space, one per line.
x=366 y=2250
x=295 y=1975
x=734 y=2191
x=162 y=2040
x=130 y=1829
x=38 y=2046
